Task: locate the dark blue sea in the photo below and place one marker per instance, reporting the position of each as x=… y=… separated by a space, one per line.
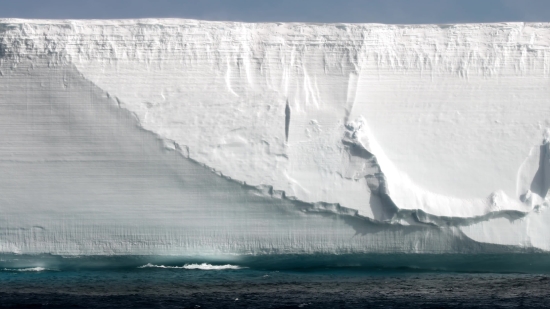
x=368 y=281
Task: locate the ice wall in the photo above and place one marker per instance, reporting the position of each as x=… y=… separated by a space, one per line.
x=192 y=137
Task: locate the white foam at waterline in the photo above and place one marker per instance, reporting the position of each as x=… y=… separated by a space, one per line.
x=37 y=269
x=203 y=266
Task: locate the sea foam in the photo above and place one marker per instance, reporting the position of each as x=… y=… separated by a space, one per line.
x=30 y=269
x=203 y=266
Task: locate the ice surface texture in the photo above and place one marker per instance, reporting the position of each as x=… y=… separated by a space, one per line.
x=212 y=138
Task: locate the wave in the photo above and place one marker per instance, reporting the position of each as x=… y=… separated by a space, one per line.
x=203 y=266
x=30 y=269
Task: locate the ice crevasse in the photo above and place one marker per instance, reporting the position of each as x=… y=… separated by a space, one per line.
x=185 y=137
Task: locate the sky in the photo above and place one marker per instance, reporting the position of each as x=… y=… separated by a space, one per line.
x=320 y=11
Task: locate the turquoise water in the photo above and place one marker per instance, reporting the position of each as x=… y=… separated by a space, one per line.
x=538 y=263
x=398 y=281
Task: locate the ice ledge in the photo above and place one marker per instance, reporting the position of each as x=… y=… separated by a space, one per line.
x=391 y=213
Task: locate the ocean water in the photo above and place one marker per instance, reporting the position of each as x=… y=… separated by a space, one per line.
x=369 y=281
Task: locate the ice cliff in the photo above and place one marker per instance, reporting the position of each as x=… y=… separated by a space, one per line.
x=203 y=138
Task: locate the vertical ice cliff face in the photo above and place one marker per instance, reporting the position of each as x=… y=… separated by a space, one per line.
x=431 y=128
x=80 y=176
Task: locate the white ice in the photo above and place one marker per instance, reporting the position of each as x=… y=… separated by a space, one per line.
x=404 y=127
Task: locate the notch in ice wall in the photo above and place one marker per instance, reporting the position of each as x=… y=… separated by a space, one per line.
x=447 y=114
x=287 y=120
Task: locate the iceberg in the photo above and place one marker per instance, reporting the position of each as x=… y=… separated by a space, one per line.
x=198 y=138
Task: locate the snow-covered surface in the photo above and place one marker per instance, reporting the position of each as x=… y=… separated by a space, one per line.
x=193 y=137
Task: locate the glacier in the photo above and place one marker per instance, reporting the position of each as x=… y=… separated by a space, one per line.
x=199 y=138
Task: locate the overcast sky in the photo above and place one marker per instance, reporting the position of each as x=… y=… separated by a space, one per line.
x=357 y=11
